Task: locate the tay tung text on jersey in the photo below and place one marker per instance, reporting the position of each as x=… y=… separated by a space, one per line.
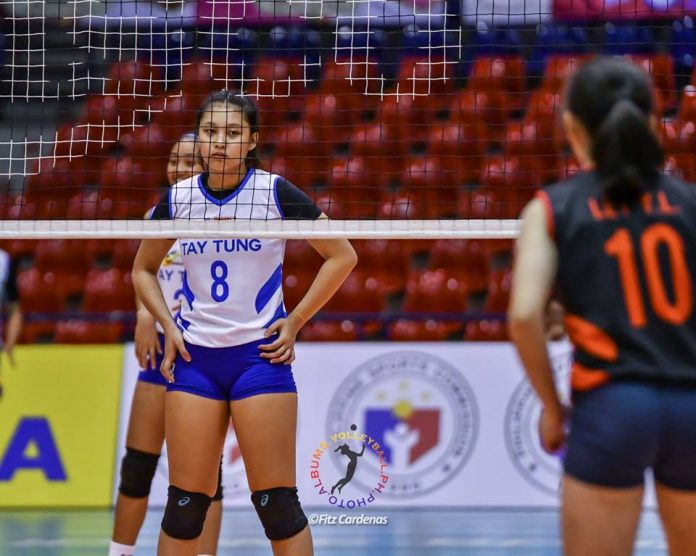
x=220 y=246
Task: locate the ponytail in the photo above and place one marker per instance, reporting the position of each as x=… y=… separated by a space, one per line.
x=627 y=153
x=613 y=99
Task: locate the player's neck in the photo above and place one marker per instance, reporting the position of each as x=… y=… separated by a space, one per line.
x=226 y=180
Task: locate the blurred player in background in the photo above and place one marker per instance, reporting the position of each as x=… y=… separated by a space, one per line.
x=146 y=426
x=232 y=341
x=9 y=293
x=619 y=240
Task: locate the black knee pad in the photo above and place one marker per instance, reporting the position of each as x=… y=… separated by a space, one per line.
x=280 y=512
x=137 y=470
x=185 y=513
x=218 y=493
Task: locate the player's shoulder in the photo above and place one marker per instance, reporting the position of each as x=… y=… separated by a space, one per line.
x=186 y=185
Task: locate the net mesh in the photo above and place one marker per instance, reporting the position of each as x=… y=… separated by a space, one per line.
x=398 y=118
x=429 y=121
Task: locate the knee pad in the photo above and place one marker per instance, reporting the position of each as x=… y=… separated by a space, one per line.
x=137 y=470
x=280 y=512
x=185 y=513
x=218 y=493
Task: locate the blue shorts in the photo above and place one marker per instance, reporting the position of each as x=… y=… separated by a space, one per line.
x=154 y=376
x=625 y=427
x=231 y=373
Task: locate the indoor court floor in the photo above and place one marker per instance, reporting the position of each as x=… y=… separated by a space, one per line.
x=408 y=533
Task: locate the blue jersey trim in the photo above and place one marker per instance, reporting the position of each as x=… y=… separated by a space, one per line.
x=269 y=288
x=237 y=191
x=275 y=196
x=186 y=291
x=279 y=314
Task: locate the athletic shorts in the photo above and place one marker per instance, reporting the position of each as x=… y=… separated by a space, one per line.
x=625 y=427
x=231 y=373
x=154 y=376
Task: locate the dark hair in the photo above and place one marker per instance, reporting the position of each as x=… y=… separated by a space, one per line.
x=613 y=99
x=191 y=136
x=248 y=109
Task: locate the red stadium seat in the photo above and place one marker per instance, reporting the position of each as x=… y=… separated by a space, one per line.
x=486 y=330
x=56 y=179
x=134 y=80
x=427 y=82
x=153 y=140
x=425 y=75
x=490 y=110
x=108 y=290
x=466 y=260
x=531 y=139
x=177 y=113
x=123 y=254
x=296 y=282
x=661 y=69
x=325 y=331
x=87 y=332
x=306 y=156
x=20 y=208
x=352 y=187
x=358 y=294
x=568 y=167
x=385 y=261
x=401 y=206
x=687 y=108
x=100 y=110
x=67 y=260
x=428 y=330
x=431 y=185
x=681 y=165
x=431 y=292
x=513 y=180
x=37 y=332
x=20 y=248
x=383 y=150
x=458 y=148
x=478 y=204
x=544 y=108
x=332 y=124
x=130 y=183
x=38 y=292
x=300 y=256
x=276 y=83
x=678 y=136
x=354 y=81
x=498 y=291
x=406 y=118
x=197 y=78
x=558 y=68
x=85 y=140
x=504 y=74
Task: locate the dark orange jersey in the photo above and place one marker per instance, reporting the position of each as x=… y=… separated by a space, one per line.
x=626 y=277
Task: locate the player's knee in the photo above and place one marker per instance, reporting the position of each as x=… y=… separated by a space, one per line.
x=218 y=493
x=137 y=470
x=280 y=512
x=185 y=513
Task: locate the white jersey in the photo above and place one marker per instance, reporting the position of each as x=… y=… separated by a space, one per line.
x=232 y=288
x=171 y=280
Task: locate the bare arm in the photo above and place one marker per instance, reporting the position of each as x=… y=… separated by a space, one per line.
x=147 y=289
x=339 y=259
x=534 y=273
x=14 y=329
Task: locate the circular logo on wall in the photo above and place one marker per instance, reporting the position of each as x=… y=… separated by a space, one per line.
x=234 y=479
x=419 y=416
x=542 y=470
